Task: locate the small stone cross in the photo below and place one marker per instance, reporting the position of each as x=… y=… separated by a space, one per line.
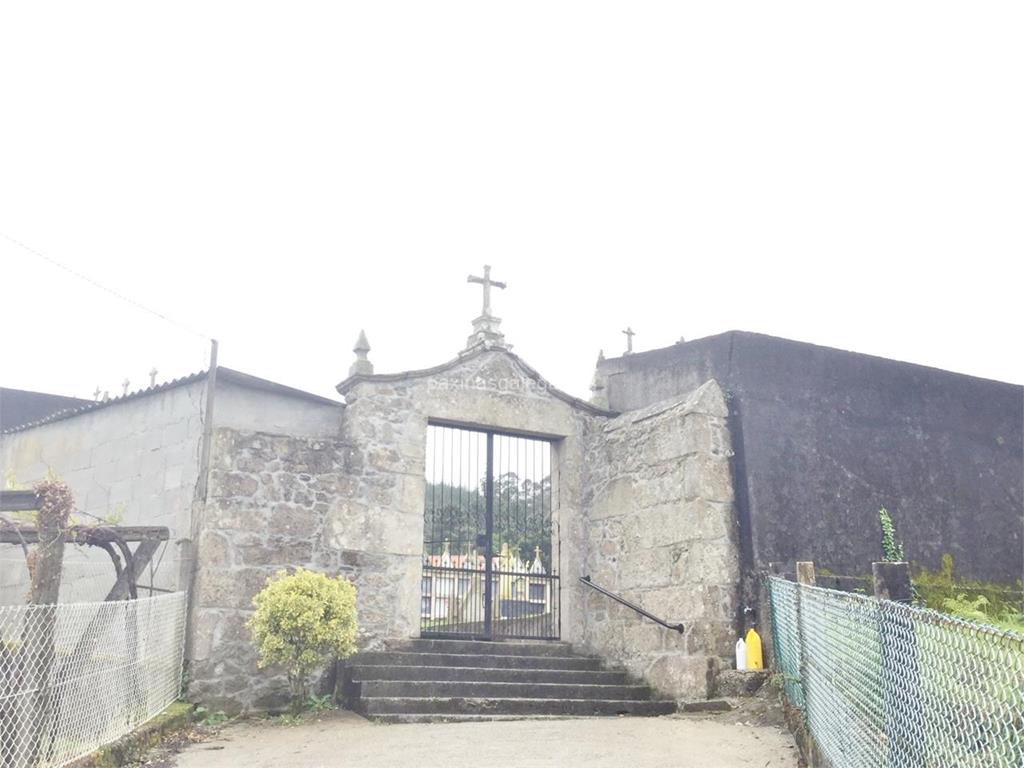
x=96 y=394
x=152 y=377
x=486 y=282
x=630 y=333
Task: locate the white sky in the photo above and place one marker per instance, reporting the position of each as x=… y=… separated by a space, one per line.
x=280 y=175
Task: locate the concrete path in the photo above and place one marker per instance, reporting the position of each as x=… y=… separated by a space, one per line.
x=345 y=739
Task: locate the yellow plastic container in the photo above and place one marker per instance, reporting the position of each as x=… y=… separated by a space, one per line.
x=754 y=658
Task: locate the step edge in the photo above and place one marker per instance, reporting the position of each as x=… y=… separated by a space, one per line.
x=638 y=686
x=517 y=699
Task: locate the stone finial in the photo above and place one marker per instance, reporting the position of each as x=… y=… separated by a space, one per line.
x=152 y=377
x=124 y=387
x=486 y=328
x=630 y=333
x=362 y=366
x=598 y=389
x=106 y=395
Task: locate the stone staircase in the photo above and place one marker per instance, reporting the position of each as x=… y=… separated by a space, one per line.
x=430 y=680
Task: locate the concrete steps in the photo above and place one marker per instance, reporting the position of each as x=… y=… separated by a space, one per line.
x=476 y=706
x=491 y=690
x=504 y=661
x=489 y=674
x=459 y=680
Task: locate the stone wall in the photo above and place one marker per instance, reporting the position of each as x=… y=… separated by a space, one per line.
x=660 y=530
x=136 y=461
x=824 y=437
x=387 y=417
x=278 y=502
x=353 y=504
x=643 y=503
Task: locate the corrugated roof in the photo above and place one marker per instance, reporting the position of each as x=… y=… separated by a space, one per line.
x=22 y=406
x=98 y=405
x=225 y=374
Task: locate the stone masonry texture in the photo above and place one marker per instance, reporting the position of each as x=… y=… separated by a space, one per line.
x=643 y=504
x=660 y=530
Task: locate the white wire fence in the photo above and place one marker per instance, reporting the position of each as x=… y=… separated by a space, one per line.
x=75 y=676
x=885 y=684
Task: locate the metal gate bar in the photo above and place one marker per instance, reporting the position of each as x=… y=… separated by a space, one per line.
x=488 y=569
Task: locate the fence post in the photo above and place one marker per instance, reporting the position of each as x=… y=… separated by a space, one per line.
x=892 y=582
x=805 y=577
x=805 y=573
x=900 y=679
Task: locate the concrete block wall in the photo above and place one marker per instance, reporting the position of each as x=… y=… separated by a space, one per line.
x=136 y=461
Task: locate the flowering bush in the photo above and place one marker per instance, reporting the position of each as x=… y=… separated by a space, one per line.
x=302 y=620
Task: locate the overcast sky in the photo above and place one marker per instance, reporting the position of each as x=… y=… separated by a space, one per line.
x=279 y=176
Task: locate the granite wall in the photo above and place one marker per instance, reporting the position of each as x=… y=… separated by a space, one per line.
x=660 y=529
x=278 y=502
x=353 y=504
x=387 y=416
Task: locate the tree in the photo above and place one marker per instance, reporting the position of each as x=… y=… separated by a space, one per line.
x=302 y=620
x=522 y=516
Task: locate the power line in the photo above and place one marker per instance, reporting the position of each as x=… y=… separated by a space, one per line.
x=102 y=287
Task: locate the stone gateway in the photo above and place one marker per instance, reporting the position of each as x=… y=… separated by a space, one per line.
x=465 y=500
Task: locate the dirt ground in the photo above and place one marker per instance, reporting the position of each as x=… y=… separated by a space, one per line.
x=344 y=739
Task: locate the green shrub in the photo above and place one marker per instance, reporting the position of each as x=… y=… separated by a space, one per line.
x=941 y=590
x=302 y=620
x=980 y=609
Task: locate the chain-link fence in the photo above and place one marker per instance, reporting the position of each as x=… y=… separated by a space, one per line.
x=885 y=684
x=75 y=676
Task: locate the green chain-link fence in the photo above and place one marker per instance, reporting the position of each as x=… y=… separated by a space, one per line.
x=886 y=684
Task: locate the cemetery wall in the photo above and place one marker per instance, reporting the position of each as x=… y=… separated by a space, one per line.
x=824 y=438
x=660 y=530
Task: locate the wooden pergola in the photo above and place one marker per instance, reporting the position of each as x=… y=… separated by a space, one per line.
x=115 y=540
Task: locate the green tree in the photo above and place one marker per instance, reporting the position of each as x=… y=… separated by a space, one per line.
x=522 y=516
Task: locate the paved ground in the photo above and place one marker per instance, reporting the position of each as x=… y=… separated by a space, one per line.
x=345 y=739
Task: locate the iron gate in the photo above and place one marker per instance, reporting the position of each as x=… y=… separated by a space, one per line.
x=488 y=569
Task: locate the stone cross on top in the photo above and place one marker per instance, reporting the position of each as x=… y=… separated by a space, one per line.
x=486 y=282
x=630 y=333
x=485 y=328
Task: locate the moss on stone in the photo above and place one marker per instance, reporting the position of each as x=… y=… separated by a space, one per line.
x=133 y=746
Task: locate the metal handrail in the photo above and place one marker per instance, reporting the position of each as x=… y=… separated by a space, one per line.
x=677 y=627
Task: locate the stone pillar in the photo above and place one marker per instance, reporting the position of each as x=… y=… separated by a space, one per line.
x=901 y=685
x=805 y=573
x=892 y=582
